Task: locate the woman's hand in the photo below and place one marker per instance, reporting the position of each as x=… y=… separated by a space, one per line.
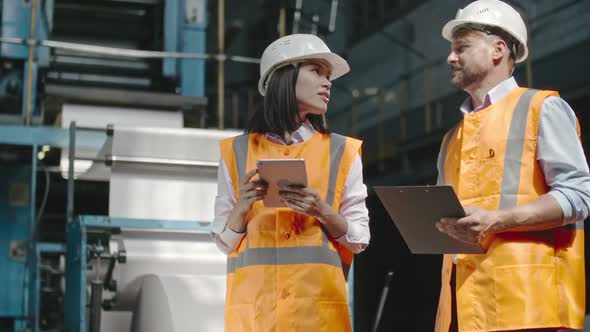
x=305 y=201
x=250 y=192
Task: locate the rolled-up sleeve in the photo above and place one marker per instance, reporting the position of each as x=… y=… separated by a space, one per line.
x=562 y=159
x=226 y=239
x=354 y=210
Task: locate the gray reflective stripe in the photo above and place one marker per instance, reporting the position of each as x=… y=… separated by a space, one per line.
x=337 y=145
x=325 y=241
x=579 y=226
x=284 y=256
x=514 y=148
x=240 y=145
x=443 y=152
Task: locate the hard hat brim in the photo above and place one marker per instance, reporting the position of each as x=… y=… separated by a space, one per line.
x=447 y=33
x=447 y=30
x=338 y=67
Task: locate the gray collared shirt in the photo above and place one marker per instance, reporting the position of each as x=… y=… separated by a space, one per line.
x=559 y=151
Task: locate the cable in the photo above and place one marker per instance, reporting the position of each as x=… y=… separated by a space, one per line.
x=42 y=205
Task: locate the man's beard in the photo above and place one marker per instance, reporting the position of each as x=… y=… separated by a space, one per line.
x=464 y=77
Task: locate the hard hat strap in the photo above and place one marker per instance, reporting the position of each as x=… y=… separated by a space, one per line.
x=510 y=41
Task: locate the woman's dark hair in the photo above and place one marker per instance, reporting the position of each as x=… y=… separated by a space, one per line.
x=280 y=113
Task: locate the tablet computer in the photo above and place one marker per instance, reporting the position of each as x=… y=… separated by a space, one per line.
x=277 y=172
x=415 y=210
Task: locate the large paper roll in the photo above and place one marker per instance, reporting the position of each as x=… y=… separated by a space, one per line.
x=170 y=282
x=99 y=117
x=166 y=173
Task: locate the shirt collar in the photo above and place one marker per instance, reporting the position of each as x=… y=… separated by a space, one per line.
x=496 y=93
x=302 y=134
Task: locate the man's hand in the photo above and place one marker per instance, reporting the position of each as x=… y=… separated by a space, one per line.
x=474 y=228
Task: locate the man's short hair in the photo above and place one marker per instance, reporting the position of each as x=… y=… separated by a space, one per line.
x=510 y=41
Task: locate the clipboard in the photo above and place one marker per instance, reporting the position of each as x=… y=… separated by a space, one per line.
x=416 y=209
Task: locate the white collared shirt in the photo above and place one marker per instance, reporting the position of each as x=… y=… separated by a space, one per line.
x=352 y=207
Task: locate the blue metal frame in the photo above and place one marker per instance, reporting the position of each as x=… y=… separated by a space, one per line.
x=75 y=301
x=14 y=226
x=26 y=288
x=19 y=276
x=55 y=137
x=76 y=257
x=182 y=33
x=16 y=19
x=177 y=225
x=171 y=19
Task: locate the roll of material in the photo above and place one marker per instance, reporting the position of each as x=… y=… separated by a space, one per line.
x=99 y=117
x=170 y=282
x=182 y=303
x=165 y=173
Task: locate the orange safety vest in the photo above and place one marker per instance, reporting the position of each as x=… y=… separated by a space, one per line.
x=525 y=280
x=286 y=273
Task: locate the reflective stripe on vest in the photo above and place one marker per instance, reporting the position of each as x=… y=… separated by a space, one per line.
x=337 y=145
x=513 y=156
x=285 y=256
x=240 y=145
x=290 y=255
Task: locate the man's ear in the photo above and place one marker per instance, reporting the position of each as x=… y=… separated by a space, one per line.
x=500 y=51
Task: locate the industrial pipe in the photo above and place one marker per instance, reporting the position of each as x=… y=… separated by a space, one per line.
x=221 y=63
x=282 y=22
x=30 y=62
x=127 y=53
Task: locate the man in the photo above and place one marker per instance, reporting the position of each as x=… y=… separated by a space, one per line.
x=517 y=165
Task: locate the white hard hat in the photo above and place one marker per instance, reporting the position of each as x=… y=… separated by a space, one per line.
x=493 y=13
x=296 y=48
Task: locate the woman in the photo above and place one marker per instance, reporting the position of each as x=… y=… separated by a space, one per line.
x=287 y=266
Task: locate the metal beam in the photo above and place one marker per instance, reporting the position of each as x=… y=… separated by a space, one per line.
x=126 y=98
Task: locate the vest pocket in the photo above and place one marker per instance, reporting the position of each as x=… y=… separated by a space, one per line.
x=239 y=318
x=526 y=296
x=334 y=316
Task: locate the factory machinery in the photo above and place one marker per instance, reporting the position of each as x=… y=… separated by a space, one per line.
x=98 y=120
x=150 y=265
